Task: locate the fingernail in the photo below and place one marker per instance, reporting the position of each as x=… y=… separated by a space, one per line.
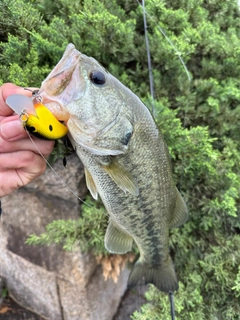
x=11 y=129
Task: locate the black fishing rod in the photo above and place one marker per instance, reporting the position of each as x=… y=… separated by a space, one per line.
x=149 y=58
x=171 y=296
x=172 y=309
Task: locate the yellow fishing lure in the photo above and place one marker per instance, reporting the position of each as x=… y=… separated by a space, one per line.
x=44 y=125
x=36 y=118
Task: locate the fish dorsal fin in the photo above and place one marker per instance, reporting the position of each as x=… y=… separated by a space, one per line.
x=91 y=184
x=116 y=240
x=180 y=214
x=121 y=177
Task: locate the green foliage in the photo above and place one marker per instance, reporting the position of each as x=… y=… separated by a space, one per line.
x=86 y=232
x=205 y=151
x=15 y=16
x=4 y=293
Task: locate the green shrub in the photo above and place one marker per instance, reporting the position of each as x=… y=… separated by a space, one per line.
x=199 y=119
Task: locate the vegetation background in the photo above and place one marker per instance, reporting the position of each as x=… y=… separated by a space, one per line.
x=199 y=119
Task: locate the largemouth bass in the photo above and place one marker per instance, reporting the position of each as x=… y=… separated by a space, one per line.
x=126 y=162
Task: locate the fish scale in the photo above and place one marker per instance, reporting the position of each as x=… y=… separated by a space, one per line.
x=126 y=163
x=128 y=210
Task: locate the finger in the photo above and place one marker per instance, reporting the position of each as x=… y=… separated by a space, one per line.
x=11 y=128
x=6 y=90
x=26 y=160
x=19 y=170
x=39 y=146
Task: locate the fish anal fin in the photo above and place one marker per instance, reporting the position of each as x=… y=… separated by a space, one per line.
x=163 y=276
x=91 y=184
x=180 y=214
x=116 y=240
x=121 y=177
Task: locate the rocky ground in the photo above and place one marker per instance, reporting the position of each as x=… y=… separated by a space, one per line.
x=131 y=301
x=54 y=283
x=10 y=310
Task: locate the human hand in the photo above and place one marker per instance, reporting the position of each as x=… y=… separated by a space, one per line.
x=20 y=162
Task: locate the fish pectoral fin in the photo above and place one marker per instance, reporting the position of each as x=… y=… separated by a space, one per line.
x=91 y=184
x=121 y=177
x=180 y=214
x=116 y=240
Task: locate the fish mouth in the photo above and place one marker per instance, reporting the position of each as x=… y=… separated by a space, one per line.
x=64 y=84
x=59 y=112
x=60 y=77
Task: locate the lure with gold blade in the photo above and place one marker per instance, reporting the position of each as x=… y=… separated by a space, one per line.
x=36 y=118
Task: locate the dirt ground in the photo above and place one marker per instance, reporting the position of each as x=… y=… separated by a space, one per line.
x=10 y=310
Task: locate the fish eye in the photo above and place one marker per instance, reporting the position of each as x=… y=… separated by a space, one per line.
x=97 y=77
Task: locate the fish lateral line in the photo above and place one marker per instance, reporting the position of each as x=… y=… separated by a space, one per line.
x=151 y=82
x=158 y=269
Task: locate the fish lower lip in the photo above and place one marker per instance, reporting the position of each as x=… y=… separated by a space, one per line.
x=57 y=110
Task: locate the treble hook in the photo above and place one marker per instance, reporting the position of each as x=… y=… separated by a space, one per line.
x=35 y=94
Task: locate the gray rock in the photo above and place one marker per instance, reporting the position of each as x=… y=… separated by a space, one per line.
x=31 y=286
x=48 y=280
x=108 y=293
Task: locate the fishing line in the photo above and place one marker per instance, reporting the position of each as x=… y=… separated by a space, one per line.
x=55 y=172
x=145 y=13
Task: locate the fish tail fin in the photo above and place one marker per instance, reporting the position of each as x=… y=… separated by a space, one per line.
x=163 y=276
